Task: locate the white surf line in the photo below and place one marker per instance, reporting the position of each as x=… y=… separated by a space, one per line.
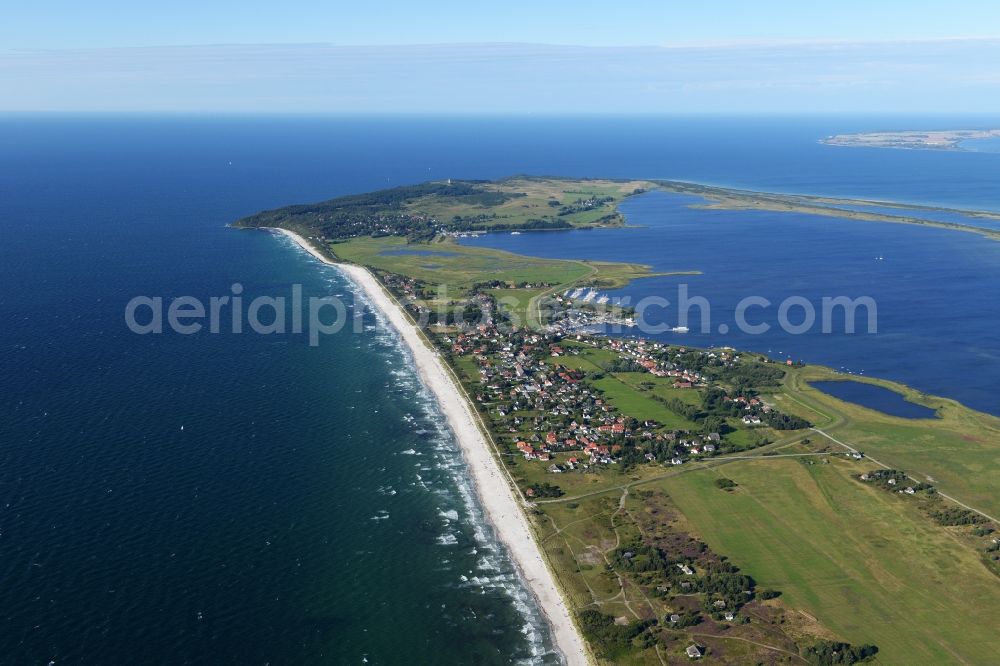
x=912 y=478
x=501 y=503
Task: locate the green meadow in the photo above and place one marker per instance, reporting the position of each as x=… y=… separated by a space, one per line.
x=453 y=269
x=455 y=266
x=634 y=403
x=868 y=565
x=959 y=452
x=537 y=198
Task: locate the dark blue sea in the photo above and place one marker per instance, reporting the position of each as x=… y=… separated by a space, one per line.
x=252 y=499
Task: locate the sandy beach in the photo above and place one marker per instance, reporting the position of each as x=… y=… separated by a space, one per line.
x=501 y=504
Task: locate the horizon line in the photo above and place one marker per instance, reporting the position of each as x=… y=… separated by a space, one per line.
x=680 y=46
x=221 y=113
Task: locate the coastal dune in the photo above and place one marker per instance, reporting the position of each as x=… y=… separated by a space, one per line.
x=499 y=500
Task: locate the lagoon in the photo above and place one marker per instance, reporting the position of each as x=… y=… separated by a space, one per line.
x=937 y=312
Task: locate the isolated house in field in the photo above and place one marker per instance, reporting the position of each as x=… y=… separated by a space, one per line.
x=693 y=652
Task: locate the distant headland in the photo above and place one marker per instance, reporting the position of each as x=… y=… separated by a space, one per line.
x=911 y=140
x=443 y=210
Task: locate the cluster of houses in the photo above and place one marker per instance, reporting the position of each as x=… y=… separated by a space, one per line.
x=528 y=371
x=540 y=406
x=891 y=478
x=754 y=408
x=649 y=355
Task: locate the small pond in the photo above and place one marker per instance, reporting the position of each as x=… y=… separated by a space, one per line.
x=875 y=397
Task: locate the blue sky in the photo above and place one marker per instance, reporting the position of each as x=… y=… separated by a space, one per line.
x=766 y=56
x=111 y=23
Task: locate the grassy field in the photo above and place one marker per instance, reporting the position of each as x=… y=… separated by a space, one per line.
x=958 y=451
x=634 y=403
x=453 y=269
x=660 y=387
x=865 y=563
x=534 y=204
x=456 y=266
x=516 y=302
x=579 y=536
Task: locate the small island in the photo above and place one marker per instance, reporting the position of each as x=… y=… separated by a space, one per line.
x=911 y=139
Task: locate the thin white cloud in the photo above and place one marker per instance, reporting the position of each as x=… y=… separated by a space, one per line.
x=751 y=42
x=928 y=75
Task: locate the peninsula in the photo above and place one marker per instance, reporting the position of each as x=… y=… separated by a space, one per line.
x=911 y=140
x=984 y=223
x=665 y=503
x=439 y=212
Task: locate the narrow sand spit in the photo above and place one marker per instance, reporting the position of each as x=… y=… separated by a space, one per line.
x=499 y=500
